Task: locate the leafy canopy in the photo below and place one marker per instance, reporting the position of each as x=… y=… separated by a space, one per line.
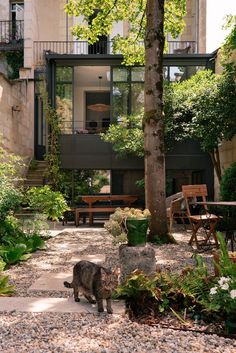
x=202 y=107
x=101 y=15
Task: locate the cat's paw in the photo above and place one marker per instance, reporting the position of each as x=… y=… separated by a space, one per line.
x=100 y=310
x=93 y=301
x=77 y=299
x=109 y=311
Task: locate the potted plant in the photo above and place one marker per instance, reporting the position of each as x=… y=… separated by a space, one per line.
x=129 y=224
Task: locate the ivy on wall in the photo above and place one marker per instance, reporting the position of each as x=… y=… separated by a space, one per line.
x=54 y=130
x=15 y=60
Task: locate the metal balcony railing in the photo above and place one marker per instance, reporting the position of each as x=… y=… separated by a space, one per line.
x=69 y=127
x=99 y=48
x=11 y=34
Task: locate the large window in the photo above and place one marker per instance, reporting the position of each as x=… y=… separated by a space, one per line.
x=64 y=98
x=127 y=91
x=180 y=73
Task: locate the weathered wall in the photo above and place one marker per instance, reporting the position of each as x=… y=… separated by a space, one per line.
x=4 y=10
x=17 y=127
x=195 y=18
x=227 y=149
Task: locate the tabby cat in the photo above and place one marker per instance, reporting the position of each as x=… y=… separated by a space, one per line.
x=93 y=280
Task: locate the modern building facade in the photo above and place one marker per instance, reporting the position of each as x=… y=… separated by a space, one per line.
x=90 y=88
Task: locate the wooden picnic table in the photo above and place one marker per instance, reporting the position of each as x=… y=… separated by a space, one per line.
x=92 y=199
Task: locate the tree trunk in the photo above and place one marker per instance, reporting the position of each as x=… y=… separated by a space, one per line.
x=153 y=121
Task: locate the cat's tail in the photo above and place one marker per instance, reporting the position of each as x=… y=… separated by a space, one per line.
x=67 y=284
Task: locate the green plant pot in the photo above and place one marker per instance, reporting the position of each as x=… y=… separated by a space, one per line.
x=230 y=326
x=137 y=231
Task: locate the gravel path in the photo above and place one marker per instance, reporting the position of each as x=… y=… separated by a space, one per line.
x=95 y=333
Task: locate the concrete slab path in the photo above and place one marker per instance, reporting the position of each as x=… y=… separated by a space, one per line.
x=56 y=305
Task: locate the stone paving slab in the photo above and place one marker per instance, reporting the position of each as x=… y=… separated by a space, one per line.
x=96 y=258
x=54 y=281
x=57 y=305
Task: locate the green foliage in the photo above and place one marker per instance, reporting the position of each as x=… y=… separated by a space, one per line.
x=5 y=288
x=116 y=225
x=33 y=164
x=132 y=11
x=16 y=247
x=189 y=289
x=15 y=60
x=126 y=136
x=225 y=266
x=52 y=156
x=10 y=165
x=228 y=184
x=230 y=41
x=51 y=203
x=10 y=198
x=85 y=182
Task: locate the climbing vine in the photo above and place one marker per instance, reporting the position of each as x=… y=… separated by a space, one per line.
x=52 y=155
x=229 y=44
x=15 y=60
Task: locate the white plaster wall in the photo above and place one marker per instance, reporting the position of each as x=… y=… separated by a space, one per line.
x=17 y=127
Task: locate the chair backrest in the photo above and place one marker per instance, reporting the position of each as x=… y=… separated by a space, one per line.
x=170 y=198
x=192 y=193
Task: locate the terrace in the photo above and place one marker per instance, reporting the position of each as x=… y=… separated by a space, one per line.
x=99 y=48
x=11 y=35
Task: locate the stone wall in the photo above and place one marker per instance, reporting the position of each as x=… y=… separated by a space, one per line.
x=227 y=149
x=17 y=116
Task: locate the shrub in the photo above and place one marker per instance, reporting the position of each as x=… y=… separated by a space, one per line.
x=51 y=203
x=228 y=184
x=10 y=198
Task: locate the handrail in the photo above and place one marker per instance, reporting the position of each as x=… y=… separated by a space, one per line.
x=98 y=48
x=11 y=31
x=69 y=127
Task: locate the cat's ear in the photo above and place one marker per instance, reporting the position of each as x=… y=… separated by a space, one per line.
x=103 y=274
x=116 y=271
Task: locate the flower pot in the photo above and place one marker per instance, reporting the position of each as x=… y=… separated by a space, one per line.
x=230 y=326
x=136 y=231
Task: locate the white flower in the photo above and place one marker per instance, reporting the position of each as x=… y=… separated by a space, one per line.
x=225 y=286
x=224 y=280
x=233 y=293
x=213 y=290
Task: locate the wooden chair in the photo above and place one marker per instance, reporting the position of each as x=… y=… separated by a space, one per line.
x=205 y=221
x=174 y=209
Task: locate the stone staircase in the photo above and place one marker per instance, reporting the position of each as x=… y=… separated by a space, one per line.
x=36 y=176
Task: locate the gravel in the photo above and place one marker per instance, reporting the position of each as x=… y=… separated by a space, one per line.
x=95 y=333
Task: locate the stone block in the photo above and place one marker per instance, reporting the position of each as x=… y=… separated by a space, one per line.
x=136 y=257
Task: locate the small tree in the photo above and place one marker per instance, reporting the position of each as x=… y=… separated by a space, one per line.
x=146 y=22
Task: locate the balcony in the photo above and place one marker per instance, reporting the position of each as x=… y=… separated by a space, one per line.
x=11 y=35
x=99 y=48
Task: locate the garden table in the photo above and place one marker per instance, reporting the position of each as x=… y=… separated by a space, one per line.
x=229 y=235
x=91 y=199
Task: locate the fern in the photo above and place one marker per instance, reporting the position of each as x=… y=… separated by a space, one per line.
x=5 y=288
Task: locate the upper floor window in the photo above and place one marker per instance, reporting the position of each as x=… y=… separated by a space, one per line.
x=17 y=11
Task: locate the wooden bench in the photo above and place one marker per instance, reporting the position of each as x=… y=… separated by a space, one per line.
x=92 y=210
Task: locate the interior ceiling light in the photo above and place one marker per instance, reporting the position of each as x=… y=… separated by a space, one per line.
x=99 y=107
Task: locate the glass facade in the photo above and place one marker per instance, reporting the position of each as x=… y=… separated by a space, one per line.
x=127 y=91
